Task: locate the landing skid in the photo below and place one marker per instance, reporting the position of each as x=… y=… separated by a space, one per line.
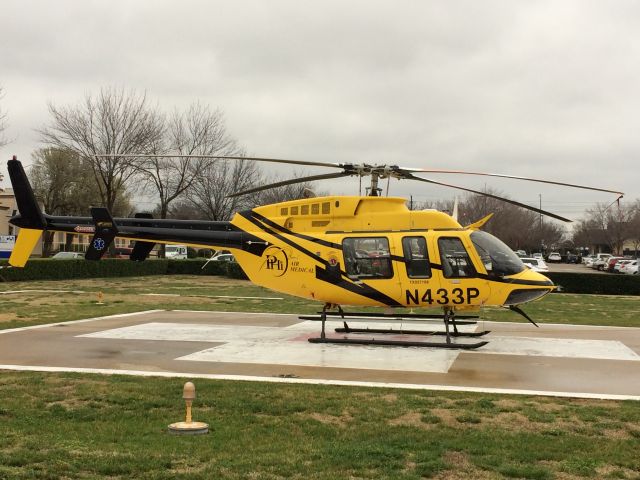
x=399 y=343
x=448 y=318
x=400 y=331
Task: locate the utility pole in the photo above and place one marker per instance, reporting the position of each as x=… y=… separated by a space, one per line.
x=541 y=236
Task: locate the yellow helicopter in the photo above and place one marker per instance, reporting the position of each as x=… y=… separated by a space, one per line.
x=339 y=250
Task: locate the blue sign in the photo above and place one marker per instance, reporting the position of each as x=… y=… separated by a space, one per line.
x=98 y=244
x=7 y=242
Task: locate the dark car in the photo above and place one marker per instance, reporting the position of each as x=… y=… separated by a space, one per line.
x=119 y=252
x=572 y=258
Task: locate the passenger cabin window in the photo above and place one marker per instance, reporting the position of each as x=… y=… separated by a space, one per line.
x=367 y=257
x=455 y=259
x=416 y=258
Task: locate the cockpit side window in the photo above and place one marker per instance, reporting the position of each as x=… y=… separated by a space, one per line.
x=455 y=259
x=497 y=257
x=416 y=257
x=367 y=257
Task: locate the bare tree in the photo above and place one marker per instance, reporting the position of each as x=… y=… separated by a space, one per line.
x=198 y=131
x=211 y=191
x=634 y=226
x=608 y=224
x=57 y=178
x=284 y=193
x=517 y=227
x=114 y=122
x=3 y=120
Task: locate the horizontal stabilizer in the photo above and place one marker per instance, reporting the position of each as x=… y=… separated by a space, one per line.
x=25 y=243
x=141 y=250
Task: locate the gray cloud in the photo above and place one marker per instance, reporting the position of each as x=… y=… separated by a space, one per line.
x=543 y=88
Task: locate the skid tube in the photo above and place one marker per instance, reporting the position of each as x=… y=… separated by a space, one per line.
x=448 y=318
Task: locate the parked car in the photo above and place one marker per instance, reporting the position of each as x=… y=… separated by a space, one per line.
x=630 y=268
x=224 y=257
x=537 y=255
x=521 y=253
x=535 y=264
x=119 y=252
x=611 y=263
x=617 y=268
x=572 y=258
x=67 y=255
x=175 y=252
x=601 y=260
x=554 y=257
x=588 y=259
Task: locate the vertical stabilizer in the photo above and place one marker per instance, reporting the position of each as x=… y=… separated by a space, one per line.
x=30 y=213
x=30 y=219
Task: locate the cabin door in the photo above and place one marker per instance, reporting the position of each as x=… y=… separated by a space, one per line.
x=368 y=261
x=460 y=284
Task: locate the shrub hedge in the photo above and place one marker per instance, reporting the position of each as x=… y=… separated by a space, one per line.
x=596 y=283
x=47 y=269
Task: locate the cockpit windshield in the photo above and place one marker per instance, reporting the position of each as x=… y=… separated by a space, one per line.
x=497 y=257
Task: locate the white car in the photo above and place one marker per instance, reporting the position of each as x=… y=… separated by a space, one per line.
x=630 y=268
x=554 y=257
x=176 y=252
x=600 y=262
x=223 y=257
x=535 y=264
x=67 y=255
x=537 y=255
x=617 y=268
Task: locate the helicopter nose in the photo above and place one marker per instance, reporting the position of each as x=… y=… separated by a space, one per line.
x=528 y=285
x=528 y=276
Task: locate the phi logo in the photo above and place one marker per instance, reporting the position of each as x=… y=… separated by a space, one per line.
x=275 y=261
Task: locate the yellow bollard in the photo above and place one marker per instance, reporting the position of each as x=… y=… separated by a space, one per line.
x=189 y=427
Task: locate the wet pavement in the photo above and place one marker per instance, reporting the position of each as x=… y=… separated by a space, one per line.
x=578 y=361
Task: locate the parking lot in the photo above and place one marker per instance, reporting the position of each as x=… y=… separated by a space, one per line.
x=572 y=268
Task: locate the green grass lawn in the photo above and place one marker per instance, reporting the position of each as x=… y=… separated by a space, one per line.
x=123 y=295
x=74 y=426
x=89 y=426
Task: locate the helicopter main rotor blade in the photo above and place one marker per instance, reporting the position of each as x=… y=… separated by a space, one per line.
x=514 y=177
x=503 y=199
x=292 y=181
x=226 y=157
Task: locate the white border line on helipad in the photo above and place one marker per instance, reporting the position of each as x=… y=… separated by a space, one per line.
x=309 y=381
x=82 y=320
x=330 y=319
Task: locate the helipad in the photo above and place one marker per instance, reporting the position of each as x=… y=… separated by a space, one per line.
x=602 y=362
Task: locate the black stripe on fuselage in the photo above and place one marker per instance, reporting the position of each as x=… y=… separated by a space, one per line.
x=321 y=273
x=302 y=236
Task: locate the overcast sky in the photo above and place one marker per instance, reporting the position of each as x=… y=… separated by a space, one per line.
x=533 y=88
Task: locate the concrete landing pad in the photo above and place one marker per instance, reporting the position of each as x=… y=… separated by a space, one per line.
x=578 y=361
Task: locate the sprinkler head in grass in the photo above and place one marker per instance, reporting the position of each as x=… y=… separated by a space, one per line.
x=189 y=427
